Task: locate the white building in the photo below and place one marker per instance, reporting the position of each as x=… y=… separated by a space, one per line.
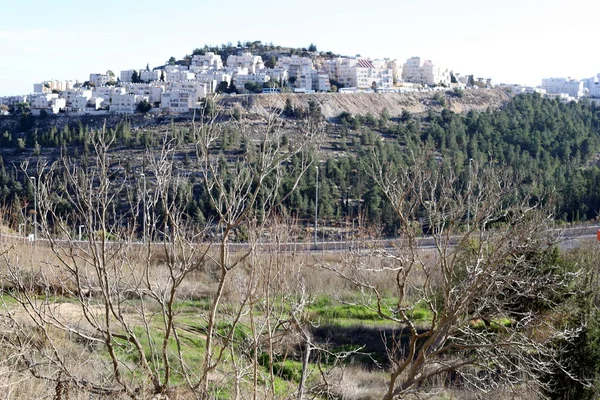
x=175 y=101
x=425 y=73
x=246 y=60
x=241 y=80
x=321 y=81
x=49 y=102
x=151 y=90
x=179 y=75
x=10 y=100
x=150 y=76
x=197 y=88
x=125 y=103
x=208 y=61
x=52 y=86
x=69 y=95
x=571 y=87
x=100 y=79
x=432 y=74
x=360 y=73
x=125 y=76
x=78 y=104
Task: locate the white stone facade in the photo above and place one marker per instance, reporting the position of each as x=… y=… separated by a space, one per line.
x=246 y=60
x=210 y=61
x=177 y=101
x=571 y=87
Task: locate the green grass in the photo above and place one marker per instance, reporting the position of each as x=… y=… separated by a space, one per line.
x=333 y=311
x=192 y=350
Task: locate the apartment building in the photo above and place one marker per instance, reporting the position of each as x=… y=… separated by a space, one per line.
x=177 y=101
x=425 y=72
x=571 y=87
x=241 y=80
x=208 y=61
x=124 y=103
x=179 y=75
x=246 y=60
x=53 y=86
x=196 y=88
x=100 y=79
x=360 y=73
x=49 y=102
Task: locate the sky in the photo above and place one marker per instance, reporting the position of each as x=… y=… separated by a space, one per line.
x=510 y=41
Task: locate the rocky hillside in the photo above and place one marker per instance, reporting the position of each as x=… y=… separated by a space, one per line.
x=332 y=104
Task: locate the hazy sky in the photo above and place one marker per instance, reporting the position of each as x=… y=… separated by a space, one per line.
x=513 y=41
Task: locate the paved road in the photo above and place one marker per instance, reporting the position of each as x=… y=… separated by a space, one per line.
x=568 y=238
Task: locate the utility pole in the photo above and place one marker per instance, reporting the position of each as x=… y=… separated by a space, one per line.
x=469 y=197
x=144 y=208
x=316 y=204
x=34 y=207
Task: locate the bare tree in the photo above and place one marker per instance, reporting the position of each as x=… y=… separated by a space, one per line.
x=141 y=252
x=482 y=278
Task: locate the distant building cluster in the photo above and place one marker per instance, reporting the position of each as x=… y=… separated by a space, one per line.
x=563 y=89
x=179 y=88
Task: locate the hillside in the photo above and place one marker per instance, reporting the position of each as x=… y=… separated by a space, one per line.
x=333 y=104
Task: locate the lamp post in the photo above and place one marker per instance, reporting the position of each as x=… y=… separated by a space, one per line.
x=34 y=207
x=144 y=208
x=316 y=204
x=469 y=198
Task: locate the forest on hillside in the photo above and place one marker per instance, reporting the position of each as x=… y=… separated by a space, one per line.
x=552 y=146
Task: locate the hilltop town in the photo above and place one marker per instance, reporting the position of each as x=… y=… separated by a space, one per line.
x=180 y=86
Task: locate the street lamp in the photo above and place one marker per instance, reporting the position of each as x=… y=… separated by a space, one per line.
x=316 y=203
x=144 y=209
x=34 y=207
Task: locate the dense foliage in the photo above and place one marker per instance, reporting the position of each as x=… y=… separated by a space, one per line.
x=552 y=146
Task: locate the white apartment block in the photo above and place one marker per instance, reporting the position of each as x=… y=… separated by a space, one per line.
x=100 y=79
x=411 y=71
x=171 y=68
x=151 y=90
x=125 y=76
x=213 y=78
x=197 y=88
x=69 y=95
x=432 y=75
x=177 y=75
x=177 y=101
x=43 y=100
x=425 y=73
x=150 y=76
x=106 y=92
x=209 y=61
x=295 y=65
x=594 y=90
x=10 y=100
x=571 y=87
x=320 y=81
x=276 y=74
x=241 y=80
x=360 y=73
x=78 y=103
x=246 y=60
x=125 y=103
x=50 y=103
x=54 y=85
